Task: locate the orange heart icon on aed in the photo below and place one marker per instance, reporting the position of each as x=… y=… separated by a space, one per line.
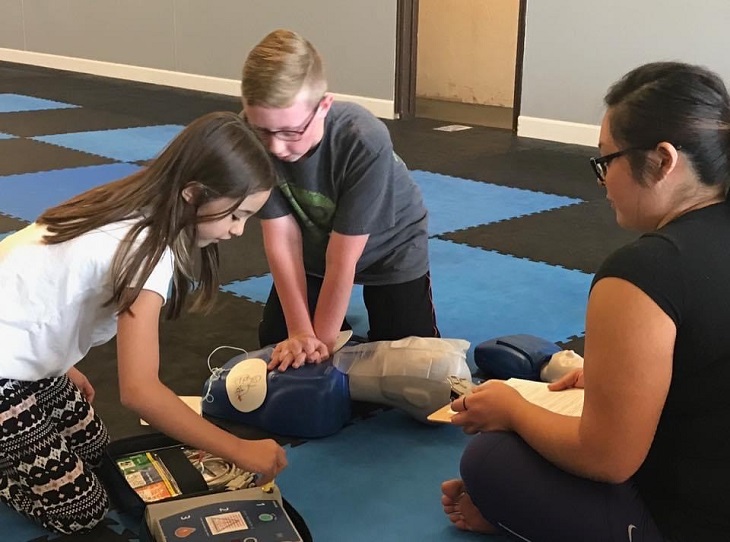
x=182 y=532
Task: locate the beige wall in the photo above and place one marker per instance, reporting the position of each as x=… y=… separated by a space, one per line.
x=203 y=38
x=467 y=50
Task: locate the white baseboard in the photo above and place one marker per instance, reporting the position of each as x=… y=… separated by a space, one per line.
x=190 y=81
x=558 y=130
x=384 y=109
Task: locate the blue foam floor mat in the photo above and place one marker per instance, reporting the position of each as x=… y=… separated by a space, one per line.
x=377 y=479
x=446 y=198
x=27 y=195
x=12 y=103
x=124 y=144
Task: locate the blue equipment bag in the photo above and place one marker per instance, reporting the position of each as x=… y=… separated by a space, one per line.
x=514 y=356
x=309 y=402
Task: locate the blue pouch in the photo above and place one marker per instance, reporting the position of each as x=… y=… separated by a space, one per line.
x=310 y=402
x=514 y=356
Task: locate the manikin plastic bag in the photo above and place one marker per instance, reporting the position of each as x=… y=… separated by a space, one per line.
x=410 y=374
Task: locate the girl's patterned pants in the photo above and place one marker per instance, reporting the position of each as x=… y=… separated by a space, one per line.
x=50 y=443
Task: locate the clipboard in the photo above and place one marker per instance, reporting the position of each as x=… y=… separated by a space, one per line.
x=442 y=415
x=566 y=402
x=459 y=387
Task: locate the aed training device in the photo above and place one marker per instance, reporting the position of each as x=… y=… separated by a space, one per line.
x=186 y=494
x=309 y=402
x=514 y=356
x=245 y=515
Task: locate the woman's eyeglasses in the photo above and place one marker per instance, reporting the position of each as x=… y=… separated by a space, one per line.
x=600 y=163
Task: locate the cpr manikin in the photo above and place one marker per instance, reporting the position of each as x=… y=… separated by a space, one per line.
x=412 y=374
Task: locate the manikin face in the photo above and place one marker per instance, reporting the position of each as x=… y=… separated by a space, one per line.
x=290 y=133
x=230 y=225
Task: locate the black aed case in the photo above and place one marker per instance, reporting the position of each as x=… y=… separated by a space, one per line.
x=198 y=512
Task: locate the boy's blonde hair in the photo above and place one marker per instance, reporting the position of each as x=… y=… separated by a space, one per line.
x=282 y=65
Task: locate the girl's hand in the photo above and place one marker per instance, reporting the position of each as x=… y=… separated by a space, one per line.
x=264 y=457
x=82 y=383
x=573 y=379
x=489 y=407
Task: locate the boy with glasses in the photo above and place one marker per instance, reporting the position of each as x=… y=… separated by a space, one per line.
x=345 y=211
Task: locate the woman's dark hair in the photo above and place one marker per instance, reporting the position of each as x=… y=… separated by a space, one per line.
x=682 y=104
x=217 y=156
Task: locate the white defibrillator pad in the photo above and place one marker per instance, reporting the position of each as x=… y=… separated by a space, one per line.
x=246 y=384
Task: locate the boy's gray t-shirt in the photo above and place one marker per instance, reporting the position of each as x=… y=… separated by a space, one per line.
x=353 y=183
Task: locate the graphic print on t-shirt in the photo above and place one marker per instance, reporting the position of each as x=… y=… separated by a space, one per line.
x=314 y=209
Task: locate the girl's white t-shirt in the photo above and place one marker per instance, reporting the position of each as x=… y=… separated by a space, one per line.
x=52 y=298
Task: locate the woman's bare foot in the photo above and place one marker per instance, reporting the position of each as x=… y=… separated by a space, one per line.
x=461 y=511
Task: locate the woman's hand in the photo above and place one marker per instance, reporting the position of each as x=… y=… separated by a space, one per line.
x=489 y=407
x=82 y=383
x=296 y=351
x=573 y=379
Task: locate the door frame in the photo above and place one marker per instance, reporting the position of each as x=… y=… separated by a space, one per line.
x=406 y=47
x=519 y=63
x=406 y=60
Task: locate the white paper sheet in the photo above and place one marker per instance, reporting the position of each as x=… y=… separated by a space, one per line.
x=568 y=402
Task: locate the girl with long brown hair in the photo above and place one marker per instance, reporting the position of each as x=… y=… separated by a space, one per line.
x=103 y=264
